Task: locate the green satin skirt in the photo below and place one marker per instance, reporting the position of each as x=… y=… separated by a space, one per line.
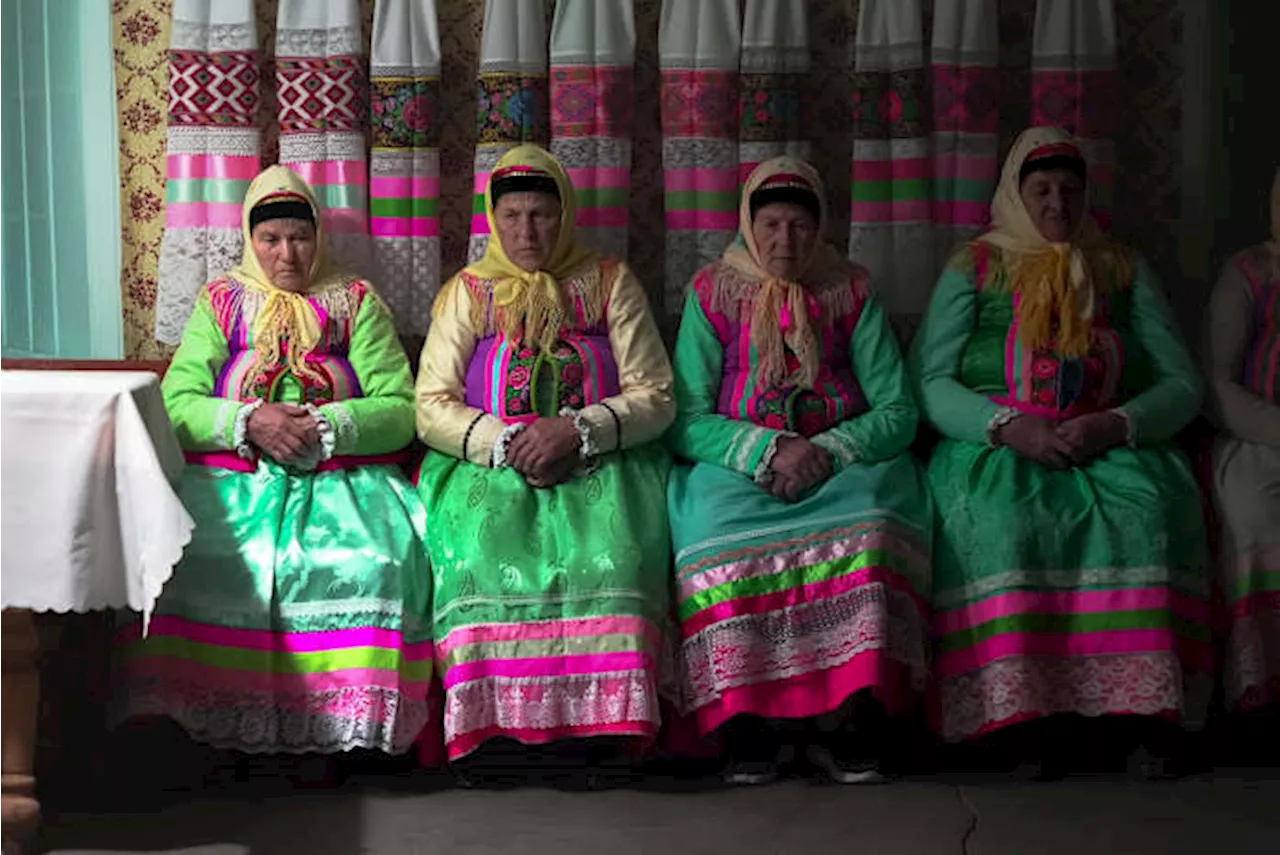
x=297 y=619
x=548 y=604
x=1081 y=590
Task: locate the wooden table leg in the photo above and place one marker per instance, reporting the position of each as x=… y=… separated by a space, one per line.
x=21 y=695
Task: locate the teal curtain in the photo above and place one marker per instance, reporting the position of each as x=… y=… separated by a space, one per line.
x=59 y=181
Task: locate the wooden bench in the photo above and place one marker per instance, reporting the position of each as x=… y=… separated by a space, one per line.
x=70 y=654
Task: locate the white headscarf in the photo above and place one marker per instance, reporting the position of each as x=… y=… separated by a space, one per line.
x=1056 y=281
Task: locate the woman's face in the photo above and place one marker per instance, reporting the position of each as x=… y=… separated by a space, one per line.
x=784 y=234
x=286 y=250
x=528 y=226
x=1054 y=199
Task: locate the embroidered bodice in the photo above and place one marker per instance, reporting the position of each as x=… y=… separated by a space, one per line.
x=242 y=379
x=728 y=302
x=996 y=362
x=517 y=382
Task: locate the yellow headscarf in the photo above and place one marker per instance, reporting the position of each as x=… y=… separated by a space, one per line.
x=781 y=317
x=285 y=315
x=530 y=304
x=1056 y=281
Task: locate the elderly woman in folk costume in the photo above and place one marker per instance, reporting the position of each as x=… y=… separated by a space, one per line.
x=1071 y=569
x=542 y=389
x=1244 y=353
x=802 y=528
x=297 y=619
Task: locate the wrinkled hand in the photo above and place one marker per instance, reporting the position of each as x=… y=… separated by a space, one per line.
x=1036 y=438
x=557 y=473
x=798 y=465
x=545 y=452
x=1092 y=435
x=284 y=432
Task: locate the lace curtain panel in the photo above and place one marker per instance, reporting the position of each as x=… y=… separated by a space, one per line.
x=404 y=159
x=593 y=47
x=397 y=109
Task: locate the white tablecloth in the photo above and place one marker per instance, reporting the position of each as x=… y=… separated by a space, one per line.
x=88 y=515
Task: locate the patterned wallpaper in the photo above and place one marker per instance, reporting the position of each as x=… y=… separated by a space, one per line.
x=1147 y=183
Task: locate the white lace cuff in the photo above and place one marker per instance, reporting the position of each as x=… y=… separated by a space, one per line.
x=587 y=448
x=240 y=432
x=328 y=436
x=499 y=457
x=224 y=422
x=1003 y=416
x=764 y=469
x=843 y=450
x=346 y=434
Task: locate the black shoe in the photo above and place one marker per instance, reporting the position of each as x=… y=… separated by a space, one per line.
x=845 y=768
x=1144 y=765
x=750 y=773
x=754 y=745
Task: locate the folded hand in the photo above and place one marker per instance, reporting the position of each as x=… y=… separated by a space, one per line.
x=1037 y=438
x=545 y=452
x=798 y=465
x=284 y=432
x=1092 y=435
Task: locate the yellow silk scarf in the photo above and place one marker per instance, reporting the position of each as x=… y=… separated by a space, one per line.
x=285 y=316
x=530 y=302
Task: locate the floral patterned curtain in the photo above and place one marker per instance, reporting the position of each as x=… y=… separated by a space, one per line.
x=1146 y=74
x=891 y=219
x=774 y=84
x=511 y=95
x=966 y=119
x=593 y=46
x=698 y=48
x=1073 y=82
x=322 y=103
x=404 y=160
